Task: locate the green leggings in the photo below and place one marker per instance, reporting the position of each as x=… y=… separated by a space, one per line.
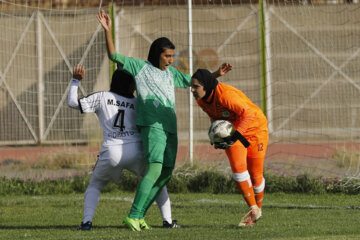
x=155 y=178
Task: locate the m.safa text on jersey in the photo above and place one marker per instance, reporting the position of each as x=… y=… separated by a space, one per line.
x=120 y=104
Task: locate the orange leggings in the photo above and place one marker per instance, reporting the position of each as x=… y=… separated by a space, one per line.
x=250 y=159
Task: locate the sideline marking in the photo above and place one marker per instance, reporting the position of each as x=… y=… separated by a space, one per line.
x=207 y=200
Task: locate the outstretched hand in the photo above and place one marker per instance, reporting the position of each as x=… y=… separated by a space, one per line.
x=224 y=68
x=79 y=72
x=104 y=20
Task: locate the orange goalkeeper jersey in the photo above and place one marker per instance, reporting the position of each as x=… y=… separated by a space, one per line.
x=231 y=104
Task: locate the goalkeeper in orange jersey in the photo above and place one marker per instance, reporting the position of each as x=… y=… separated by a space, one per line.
x=224 y=102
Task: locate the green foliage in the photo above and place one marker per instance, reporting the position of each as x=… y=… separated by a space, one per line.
x=177 y=184
x=278 y=183
x=210 y=182
x=205 y=181
x=128 y=181
x=17 y=187
x=305 y=184
x=79 y=183
x=347 y=186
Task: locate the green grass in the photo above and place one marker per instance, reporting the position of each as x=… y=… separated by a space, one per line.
x=202 y=216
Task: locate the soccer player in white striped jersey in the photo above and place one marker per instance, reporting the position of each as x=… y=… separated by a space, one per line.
x=122 y=144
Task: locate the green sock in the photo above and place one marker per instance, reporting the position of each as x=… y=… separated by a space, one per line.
x=161 y=182
x=143 y=190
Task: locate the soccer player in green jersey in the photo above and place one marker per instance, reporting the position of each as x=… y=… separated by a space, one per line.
x=156 y=81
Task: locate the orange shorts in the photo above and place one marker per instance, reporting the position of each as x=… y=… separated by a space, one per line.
x=251 y=158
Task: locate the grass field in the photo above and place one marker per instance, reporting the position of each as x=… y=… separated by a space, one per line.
x=202 y=216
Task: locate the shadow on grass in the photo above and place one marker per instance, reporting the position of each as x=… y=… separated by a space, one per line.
x=69 y=227
x=73 y=227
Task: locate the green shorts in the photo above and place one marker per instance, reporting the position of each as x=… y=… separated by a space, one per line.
x=159 y=146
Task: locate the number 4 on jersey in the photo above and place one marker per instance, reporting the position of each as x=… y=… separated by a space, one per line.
x=119 y=120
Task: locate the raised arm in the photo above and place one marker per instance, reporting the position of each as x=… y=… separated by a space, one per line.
x=78 y=75
x=223 y=69
x=105 y=22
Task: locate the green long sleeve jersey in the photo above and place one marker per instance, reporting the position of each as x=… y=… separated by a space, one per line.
x=155 y=89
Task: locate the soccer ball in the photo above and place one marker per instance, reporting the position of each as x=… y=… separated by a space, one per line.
x=219 y=130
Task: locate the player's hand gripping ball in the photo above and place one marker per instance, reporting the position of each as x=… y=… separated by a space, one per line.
x=221 y=134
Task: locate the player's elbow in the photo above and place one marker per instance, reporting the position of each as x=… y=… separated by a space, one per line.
x=73 y=104
x=111 y=52
x=111 y=55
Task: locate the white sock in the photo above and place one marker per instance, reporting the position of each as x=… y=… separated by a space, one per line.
x=163 y=202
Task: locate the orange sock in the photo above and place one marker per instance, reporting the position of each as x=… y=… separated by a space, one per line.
x=247 y=191
x=259 y=188
x=259 y=198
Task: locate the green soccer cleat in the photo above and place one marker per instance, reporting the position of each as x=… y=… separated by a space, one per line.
x=144 y=225
x=133 y=224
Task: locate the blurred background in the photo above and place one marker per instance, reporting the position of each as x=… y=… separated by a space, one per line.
x=297 y=60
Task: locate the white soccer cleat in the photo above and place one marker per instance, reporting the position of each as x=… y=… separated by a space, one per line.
x=251 y=217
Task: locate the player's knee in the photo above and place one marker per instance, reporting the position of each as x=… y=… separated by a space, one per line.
x=153 y=171
x=242 y=177
x=97 y=183
x=259 y=184
x=93 y=190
